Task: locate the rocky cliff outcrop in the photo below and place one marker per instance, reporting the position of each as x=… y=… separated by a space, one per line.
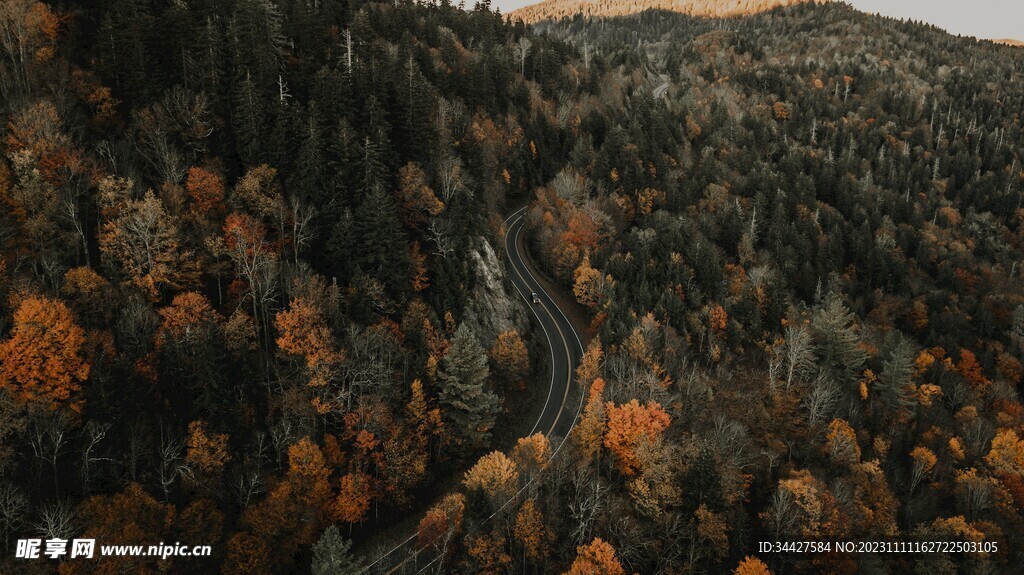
x=493 y=306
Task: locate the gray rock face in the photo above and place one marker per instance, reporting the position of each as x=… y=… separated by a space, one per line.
x=493 y=305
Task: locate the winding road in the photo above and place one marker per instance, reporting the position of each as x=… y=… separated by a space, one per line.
x=558 y=415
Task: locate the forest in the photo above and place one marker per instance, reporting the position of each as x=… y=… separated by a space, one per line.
x=250 y=296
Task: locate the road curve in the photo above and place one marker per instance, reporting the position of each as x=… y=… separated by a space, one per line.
x=558 y=415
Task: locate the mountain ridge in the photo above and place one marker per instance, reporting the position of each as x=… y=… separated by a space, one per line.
x=555 y=9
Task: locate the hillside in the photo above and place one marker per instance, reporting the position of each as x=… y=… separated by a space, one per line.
x=801 y=239
x=556 y=9
x=252 y=293
x=1009 y=42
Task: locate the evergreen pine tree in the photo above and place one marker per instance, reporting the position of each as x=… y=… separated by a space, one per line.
x=246 y=119
x=467 y=402
x=382 y=250
x=378 y=132
x=332 y=555
x=310 y=164
x=372 y=172
x=332 y=92
x=341 y=246
x=836 y=340
x=257 y=41
x=896 y=374
x=344 y=166
x=415 y=100
x=703 y=481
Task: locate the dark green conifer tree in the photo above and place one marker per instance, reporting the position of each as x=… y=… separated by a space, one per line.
x=467 y=402
x=382 y=250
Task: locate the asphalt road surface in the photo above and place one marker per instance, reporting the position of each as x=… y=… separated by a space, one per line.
x=558 y=415
x=561 y=407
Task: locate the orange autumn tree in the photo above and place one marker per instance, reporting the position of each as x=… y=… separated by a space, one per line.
x=510 y=356
x=88 y=293
x=1006 y=456
x=841 y=443
x=532 y=533
x=591 y=428
x=402 y=464
x=42 y=362
x=304 y=332
x=188 y=341
x=355 y=493
x=39 y=131
x=441 y=523
x=32 y=29
x=296 y=510
x=751 y=566
x=488 y=552
x=596 y=558
x=418 y=267
x=970 y=370
x=187 y=323
x=590 y=432
x=924 y=461
x=532 y=453
x=308 y=476
x=247 y=554
x=143 y=240
x=494 y=474
x=207 y=453
x=589 y=286
x=590 y=366
x=424 y=419
x=628 y=425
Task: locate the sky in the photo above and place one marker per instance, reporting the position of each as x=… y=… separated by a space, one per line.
x=981 y=18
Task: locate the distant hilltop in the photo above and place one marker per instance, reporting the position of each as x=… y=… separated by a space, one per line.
x=1009 y=42
x=556 y=9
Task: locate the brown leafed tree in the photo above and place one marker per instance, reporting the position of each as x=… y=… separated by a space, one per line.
x=247 y=554
x=206 y=190
x=295 y=511
x=441 y=524
x=841 y=443
x=131 y=517
x=206 y=453
x=589 y=286
x=1006 y=456
x=144 y=243
x=488 y=552
x=590 y=430
x=416 y=200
